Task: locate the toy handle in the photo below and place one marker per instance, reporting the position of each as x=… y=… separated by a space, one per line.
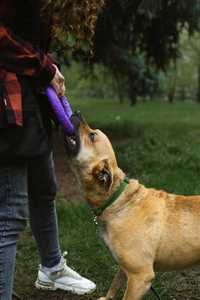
x=62 y=110
x=66 y=106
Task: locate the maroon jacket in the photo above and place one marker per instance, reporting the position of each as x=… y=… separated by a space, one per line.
x=24 y=40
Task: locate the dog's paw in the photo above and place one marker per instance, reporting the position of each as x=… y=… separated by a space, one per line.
x=102 y=298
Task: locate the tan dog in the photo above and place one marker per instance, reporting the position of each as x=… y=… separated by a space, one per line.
x=146 y=230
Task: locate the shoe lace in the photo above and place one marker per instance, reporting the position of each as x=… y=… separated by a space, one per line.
x=65 y=270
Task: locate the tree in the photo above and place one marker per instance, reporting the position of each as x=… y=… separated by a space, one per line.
x=73 y=21
x=127 y=30
x=185 y=74
x=133 y=38
x=195 y=46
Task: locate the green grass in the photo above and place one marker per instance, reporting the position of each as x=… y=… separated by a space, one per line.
x=159 y=144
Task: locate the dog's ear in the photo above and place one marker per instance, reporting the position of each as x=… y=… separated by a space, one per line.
x=103 y=174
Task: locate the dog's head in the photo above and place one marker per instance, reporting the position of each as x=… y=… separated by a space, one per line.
x=96 y=163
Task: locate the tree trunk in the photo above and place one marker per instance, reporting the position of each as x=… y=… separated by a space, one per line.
x=132 y=96
x=172 y=89
x=171 y=95
x=120 y=94
x=118 y=87
x=183 y=94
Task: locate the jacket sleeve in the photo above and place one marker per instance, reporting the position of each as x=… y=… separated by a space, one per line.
x=22 y=58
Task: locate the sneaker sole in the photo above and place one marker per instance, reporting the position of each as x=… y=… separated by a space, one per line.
x=50 y=286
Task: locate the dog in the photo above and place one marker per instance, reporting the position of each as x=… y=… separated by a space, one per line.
x=146 y=230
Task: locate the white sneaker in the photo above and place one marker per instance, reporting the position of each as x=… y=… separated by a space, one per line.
x=64 y=278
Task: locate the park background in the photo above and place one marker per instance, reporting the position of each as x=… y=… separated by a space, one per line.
x=141 y=86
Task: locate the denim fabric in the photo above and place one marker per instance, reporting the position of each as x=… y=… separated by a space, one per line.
x=42 y=187
x=13 y=214
x=34 y=180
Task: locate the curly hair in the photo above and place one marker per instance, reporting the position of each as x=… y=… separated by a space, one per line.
x=74 y=21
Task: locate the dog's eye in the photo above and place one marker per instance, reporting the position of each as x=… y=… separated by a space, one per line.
x=92 y=136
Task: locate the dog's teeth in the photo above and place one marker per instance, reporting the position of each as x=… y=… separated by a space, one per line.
x=72 y=141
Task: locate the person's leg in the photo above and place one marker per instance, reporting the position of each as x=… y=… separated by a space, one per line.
x=53 y=272
x=13 y=215
x=42 y=189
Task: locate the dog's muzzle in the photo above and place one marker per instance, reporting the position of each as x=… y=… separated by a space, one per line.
x=72 y=142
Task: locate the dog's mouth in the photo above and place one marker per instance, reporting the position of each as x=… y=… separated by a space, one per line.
x=72 y=143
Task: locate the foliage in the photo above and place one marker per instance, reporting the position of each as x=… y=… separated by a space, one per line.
x=128 y=29
x=73 y=22
x=133 y=39
x=131 y=26
x=183 y=76
x=189 y=66
x=82 y=83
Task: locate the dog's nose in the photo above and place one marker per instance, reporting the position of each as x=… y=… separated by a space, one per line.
x=76 y=119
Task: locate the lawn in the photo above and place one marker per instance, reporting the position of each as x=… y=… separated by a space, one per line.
x=158 y=143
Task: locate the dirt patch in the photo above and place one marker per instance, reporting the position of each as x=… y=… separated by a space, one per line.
x=67 y=182
x=186 y=285
x=58 y=295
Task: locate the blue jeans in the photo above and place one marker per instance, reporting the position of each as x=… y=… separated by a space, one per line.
x=27 y=189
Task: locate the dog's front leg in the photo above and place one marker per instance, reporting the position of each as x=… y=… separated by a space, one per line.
x=138 y=284
x=117 y=282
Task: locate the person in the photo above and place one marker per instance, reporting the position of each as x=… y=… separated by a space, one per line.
x=27 y=176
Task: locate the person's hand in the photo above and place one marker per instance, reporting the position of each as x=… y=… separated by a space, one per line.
x=58 y=83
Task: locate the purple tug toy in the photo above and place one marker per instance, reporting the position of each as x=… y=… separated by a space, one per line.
x=62 y=110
